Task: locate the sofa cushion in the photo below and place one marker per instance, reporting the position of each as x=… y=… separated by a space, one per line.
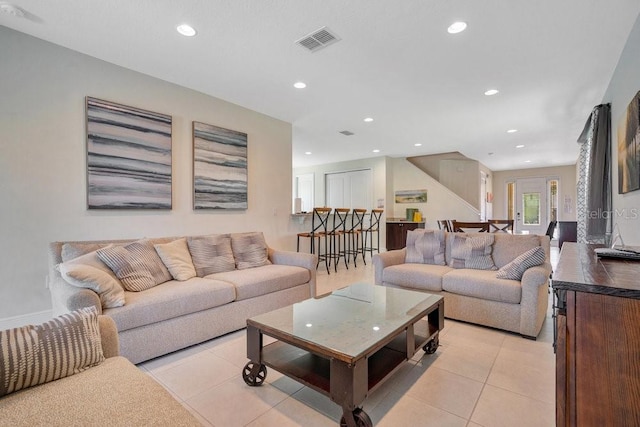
x=508 y=246
x=482 y=284
x=176 y=257
x=249 y=250
x=516 y=268
x=169 y=300
x=257 y=281
x=87 y=271
x=211 y=254
x=472 y=251
x=136 y=264
x=66 y=345
x=115 y=393
x=416 y=276
x=425 y=247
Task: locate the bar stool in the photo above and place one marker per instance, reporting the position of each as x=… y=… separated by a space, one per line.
x=337 y=243
x=319 y=221
x=374 y=227
x=353 y=235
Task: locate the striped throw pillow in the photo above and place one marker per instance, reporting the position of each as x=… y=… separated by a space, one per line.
x=249 y=250
x=472 y=252
x=211 y=254
x=425 y=247
x=516 y=268
x=32 y=355
x=137 y=265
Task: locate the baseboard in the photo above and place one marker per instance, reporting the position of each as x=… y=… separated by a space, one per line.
x=25 y=319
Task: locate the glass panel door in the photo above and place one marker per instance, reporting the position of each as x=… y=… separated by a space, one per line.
x=531 y=208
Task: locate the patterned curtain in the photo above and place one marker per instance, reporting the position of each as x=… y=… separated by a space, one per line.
x=594 y=178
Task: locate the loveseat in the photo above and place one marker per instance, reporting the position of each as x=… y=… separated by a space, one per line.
x=237 y=276
x=463 y=268
x=102 y=388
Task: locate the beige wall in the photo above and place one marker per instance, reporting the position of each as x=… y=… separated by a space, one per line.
x=43 y=166
x=624 y=84
x=566 y=174
x=441 y=202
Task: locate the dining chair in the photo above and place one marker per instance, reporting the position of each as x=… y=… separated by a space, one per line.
x=443 y=224
x=501 y=225
x=465 y=227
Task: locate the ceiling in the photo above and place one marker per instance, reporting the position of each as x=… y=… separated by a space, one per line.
x=551 y=61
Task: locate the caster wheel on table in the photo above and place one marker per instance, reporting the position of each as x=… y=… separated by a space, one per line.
x=254 y=374
x=431 y=346
x=361 y=417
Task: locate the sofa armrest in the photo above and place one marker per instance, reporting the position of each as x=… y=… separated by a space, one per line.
x=109 y=336
x=535 y=299
x=66 y=298
x=386 y=259
x=297 y=259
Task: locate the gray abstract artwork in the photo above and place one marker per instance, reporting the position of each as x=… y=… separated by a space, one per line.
x=219 y=168
x=128 y=157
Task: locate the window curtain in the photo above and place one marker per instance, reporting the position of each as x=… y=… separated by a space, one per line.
x=594 y=178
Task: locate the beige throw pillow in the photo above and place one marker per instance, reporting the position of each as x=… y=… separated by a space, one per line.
x=32 y=355
x=211 y=254
x=425 y=247
x=472 y=251
x=87 y=271
x=176 y=257
x=250 y=250
x=137 y=265
x=516 y=268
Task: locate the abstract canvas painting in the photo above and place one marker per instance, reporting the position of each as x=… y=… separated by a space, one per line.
x=128 y=157
x=219 y=168
x=629 y=148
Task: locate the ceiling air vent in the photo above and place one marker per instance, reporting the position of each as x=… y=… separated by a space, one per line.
x=347 y=133
x=318 y=39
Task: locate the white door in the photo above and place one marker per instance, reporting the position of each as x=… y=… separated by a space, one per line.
x=531 y=206
x=349 y=189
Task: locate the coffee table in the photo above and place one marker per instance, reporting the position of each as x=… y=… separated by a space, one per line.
x=344 y=344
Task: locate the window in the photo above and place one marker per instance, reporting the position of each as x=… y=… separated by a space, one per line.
x=531 y=208
x=553 y=199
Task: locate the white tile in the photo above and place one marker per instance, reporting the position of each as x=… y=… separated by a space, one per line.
x=401 y=410
x=532 y=380
x=459 y=360
x=319 y=402
x=497 y=407
x=170 y=360
x=196 y=374
x=233 y=403
x=448 y=391
x=292 y=413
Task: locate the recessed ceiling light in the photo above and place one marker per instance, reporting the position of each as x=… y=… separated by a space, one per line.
x=186 y=30
x=299 y=85
x=457 y=27
x=376 y=151
x=491 y=92
x=527 y=161
x=520 y=146
x=307 y=153
x=417 y=145
x=512 y=131
x=368 y=119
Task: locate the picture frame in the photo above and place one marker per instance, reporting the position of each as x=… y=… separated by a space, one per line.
x=220 y=168
x=629 y=148
x=128 y=157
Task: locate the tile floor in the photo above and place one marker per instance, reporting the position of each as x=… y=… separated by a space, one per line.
x=478 y=377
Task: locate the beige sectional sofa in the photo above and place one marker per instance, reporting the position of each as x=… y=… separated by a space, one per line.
x=114 y=392
x=177 y=314
x=475 y=295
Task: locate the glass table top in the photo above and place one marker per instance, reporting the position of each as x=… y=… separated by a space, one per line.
x=349 y=320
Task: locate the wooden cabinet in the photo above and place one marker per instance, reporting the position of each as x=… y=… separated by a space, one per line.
x=598 y=339
x=397 y=233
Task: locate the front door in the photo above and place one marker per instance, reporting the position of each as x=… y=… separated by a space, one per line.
x=531 y=206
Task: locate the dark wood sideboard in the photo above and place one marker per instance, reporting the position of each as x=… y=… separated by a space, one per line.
x=597 y=313
x=397 y=232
